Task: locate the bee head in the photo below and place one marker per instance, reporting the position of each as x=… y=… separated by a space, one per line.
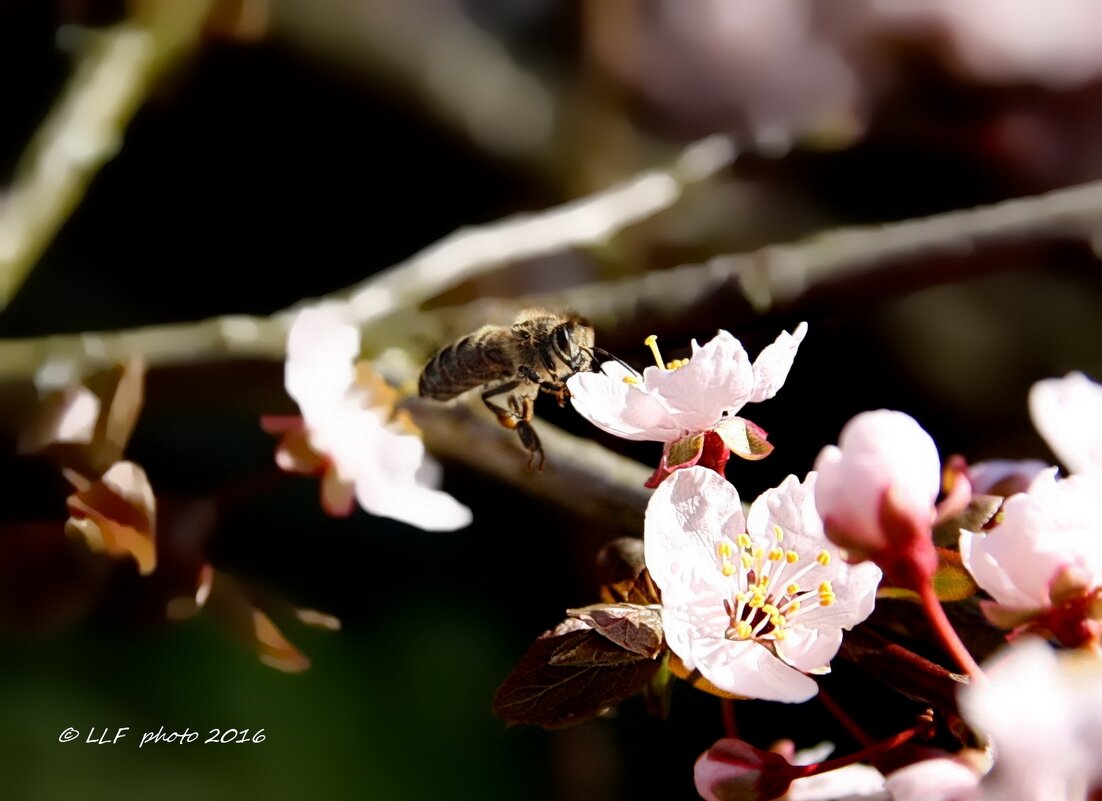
x=572 y=342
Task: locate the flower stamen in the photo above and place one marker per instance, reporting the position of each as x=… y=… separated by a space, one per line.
x=674 y=364
x=765 y=601
x=652 y=343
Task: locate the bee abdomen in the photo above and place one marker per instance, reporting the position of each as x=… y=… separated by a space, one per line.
x=465 y=364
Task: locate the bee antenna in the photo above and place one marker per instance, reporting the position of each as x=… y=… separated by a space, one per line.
x=603 y=355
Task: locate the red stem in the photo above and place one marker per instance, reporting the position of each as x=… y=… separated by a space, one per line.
x=800 y=771
x=945 y=631
x=730 y=727
x=848 y=723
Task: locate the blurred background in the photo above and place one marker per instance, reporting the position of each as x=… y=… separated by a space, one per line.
x=285 y=149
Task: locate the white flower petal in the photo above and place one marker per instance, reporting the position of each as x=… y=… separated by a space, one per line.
x=687 y=515
x=1068 y=414
x=619 y=408
x=718 y=378
x=692 y=611
x=321 y=348
x=810 y=649
x=851 y=783
x=773 y=364
x=746 y=668
x=940 y=779
x=987 y=476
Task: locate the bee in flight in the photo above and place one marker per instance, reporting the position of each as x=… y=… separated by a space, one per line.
x=537 y=353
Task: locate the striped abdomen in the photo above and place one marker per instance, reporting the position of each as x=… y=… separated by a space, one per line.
x=479 y=358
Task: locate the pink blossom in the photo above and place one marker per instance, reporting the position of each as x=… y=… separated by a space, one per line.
x=941 y=779
x=1004 y=476
x=876 y=492
x=680 y=402
x=349 y=434
x=1068 y=413
x=1043 y=561
x=753 y=602
x=734 y=770
x=1043 y=713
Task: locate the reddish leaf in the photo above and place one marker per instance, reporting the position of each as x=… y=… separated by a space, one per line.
x=623 y=575
x=569 y=677
x=116 y=515
x=636 y=628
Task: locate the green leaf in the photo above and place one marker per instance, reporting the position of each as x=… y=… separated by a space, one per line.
x=952 y=582
x=685 y=451
x=975 y=517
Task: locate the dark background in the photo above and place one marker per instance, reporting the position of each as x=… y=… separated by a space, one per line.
x=262 y=173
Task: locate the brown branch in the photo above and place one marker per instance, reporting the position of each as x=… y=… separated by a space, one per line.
x=579 y=474
x=112 y=78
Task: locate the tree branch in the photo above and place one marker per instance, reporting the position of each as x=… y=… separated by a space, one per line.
x=770 y=276
x=113 y=76
x=579 y=474
x=586 y=222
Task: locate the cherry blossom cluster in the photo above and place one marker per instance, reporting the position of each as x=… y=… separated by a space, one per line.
x=756 y=602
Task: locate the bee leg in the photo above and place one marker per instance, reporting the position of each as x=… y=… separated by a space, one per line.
x=556 y=388
x=531 y=441
x=516 y=418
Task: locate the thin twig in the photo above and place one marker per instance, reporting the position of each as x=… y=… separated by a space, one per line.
x=112 y=78
x=579 y=474
x=775 y=274
x=780 y=274
x=587 y=222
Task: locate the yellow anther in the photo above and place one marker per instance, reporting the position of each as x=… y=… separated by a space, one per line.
x=757 y=551
x=652 y=343
x=727 y=569
x=792 y=606
x=630 y=379
x=743 y=630
x=823 y=558
x=779 y=634
x=825 y=586
x=725 y=549
x=757 y=601
x=791 y=557
x=776 y=554
x=792 y=589
x=741 y=597
x=779 y=621
x=763 y=582
x=778 y=533
x=770 y=610
x=826 y=599
x=676 y=364
x=744 y=540
x=747 y=562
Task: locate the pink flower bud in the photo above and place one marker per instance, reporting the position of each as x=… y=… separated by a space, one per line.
x=733 y=770
x=876 y=493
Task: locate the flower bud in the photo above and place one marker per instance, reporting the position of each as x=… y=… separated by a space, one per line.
x=876 y=493
x=733 y=770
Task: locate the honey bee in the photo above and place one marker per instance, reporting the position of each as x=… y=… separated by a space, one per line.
x=537 y=353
